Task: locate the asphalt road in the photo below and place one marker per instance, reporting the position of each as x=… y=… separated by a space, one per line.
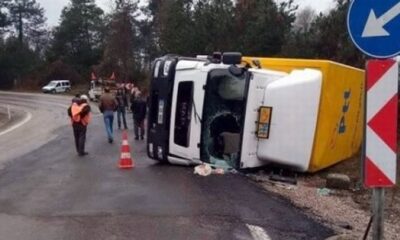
x=48 y=192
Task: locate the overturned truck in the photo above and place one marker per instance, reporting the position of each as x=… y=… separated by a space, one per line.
x=248 y=112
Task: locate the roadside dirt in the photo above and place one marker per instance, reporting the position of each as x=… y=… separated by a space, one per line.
x=346 y=211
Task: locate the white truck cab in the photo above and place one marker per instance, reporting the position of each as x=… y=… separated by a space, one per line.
x=217 y=111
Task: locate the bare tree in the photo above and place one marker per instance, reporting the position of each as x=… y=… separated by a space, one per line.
x=304 y=19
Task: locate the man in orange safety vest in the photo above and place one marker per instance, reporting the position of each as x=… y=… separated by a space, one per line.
x=79 y=113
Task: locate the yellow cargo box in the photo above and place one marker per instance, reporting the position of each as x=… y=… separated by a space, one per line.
x=341 y=111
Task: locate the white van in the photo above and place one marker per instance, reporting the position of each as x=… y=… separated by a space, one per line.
x=57 y=86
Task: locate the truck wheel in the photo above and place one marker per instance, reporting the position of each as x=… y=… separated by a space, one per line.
x=53 y=91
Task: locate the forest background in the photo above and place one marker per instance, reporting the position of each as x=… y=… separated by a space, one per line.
x=129 y=37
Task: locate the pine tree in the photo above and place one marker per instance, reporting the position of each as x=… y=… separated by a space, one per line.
x=27 y=17
x=175 y=27
x=4 y=16
x=78 y=40
x=262 y=26
x=332 y=40
x=213 y=26
x=119 y=54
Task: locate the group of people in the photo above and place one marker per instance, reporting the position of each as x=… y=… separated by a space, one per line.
x=110 y=104
x=80 y=114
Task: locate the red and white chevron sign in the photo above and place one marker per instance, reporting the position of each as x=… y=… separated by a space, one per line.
x=381 y=128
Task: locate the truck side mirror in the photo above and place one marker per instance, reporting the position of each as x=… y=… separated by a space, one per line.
x=231 y=58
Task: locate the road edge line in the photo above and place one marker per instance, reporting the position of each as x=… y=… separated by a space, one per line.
x=27 y=118
x=258 y=233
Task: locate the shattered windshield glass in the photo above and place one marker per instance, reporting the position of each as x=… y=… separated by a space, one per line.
x=231 y=88
x=223 y=117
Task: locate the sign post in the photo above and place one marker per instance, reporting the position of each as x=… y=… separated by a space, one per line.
x=374 y=27
x=378 y=201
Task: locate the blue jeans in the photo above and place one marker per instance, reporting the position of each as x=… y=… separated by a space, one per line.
x=121 y=111
x=108 y=121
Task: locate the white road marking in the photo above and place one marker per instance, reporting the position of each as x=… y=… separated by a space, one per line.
x=258 y=233
x=26 y=119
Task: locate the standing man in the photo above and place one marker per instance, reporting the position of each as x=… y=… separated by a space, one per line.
x=138 y=108
x=122 y=104
x=108 y=104
x=76 y=99
x=80 y=118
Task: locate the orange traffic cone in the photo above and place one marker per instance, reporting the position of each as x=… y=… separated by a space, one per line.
x=125 y=161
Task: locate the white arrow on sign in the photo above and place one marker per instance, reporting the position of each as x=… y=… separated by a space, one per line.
x=374 y=25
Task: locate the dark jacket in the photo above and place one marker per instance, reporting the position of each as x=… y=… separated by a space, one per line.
x=121 y=99
x=139 y=109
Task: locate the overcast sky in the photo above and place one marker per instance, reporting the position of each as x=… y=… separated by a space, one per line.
x=53 y=7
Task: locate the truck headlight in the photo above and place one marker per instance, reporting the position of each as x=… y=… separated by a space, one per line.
x=156 y=69
x=167 y=64
x=159 y=152
x=151 y=150
x=160 y=118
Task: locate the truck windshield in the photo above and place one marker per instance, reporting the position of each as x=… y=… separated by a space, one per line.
x=223 y=116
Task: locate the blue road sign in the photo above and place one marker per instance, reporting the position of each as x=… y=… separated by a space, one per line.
x=374 y=27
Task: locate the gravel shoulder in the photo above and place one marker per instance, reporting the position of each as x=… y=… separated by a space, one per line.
x=346 y=211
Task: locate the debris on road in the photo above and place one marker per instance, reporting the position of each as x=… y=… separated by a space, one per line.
x=324 y=192
x=219 y=171
x=203 y=170
x=207 y=169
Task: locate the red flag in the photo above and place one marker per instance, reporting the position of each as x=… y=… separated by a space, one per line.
x=112 y=76
x=93 y=76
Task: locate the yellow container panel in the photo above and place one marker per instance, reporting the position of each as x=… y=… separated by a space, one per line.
x=341 y=111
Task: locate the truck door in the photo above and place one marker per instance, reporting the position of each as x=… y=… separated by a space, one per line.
x=186 y=109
